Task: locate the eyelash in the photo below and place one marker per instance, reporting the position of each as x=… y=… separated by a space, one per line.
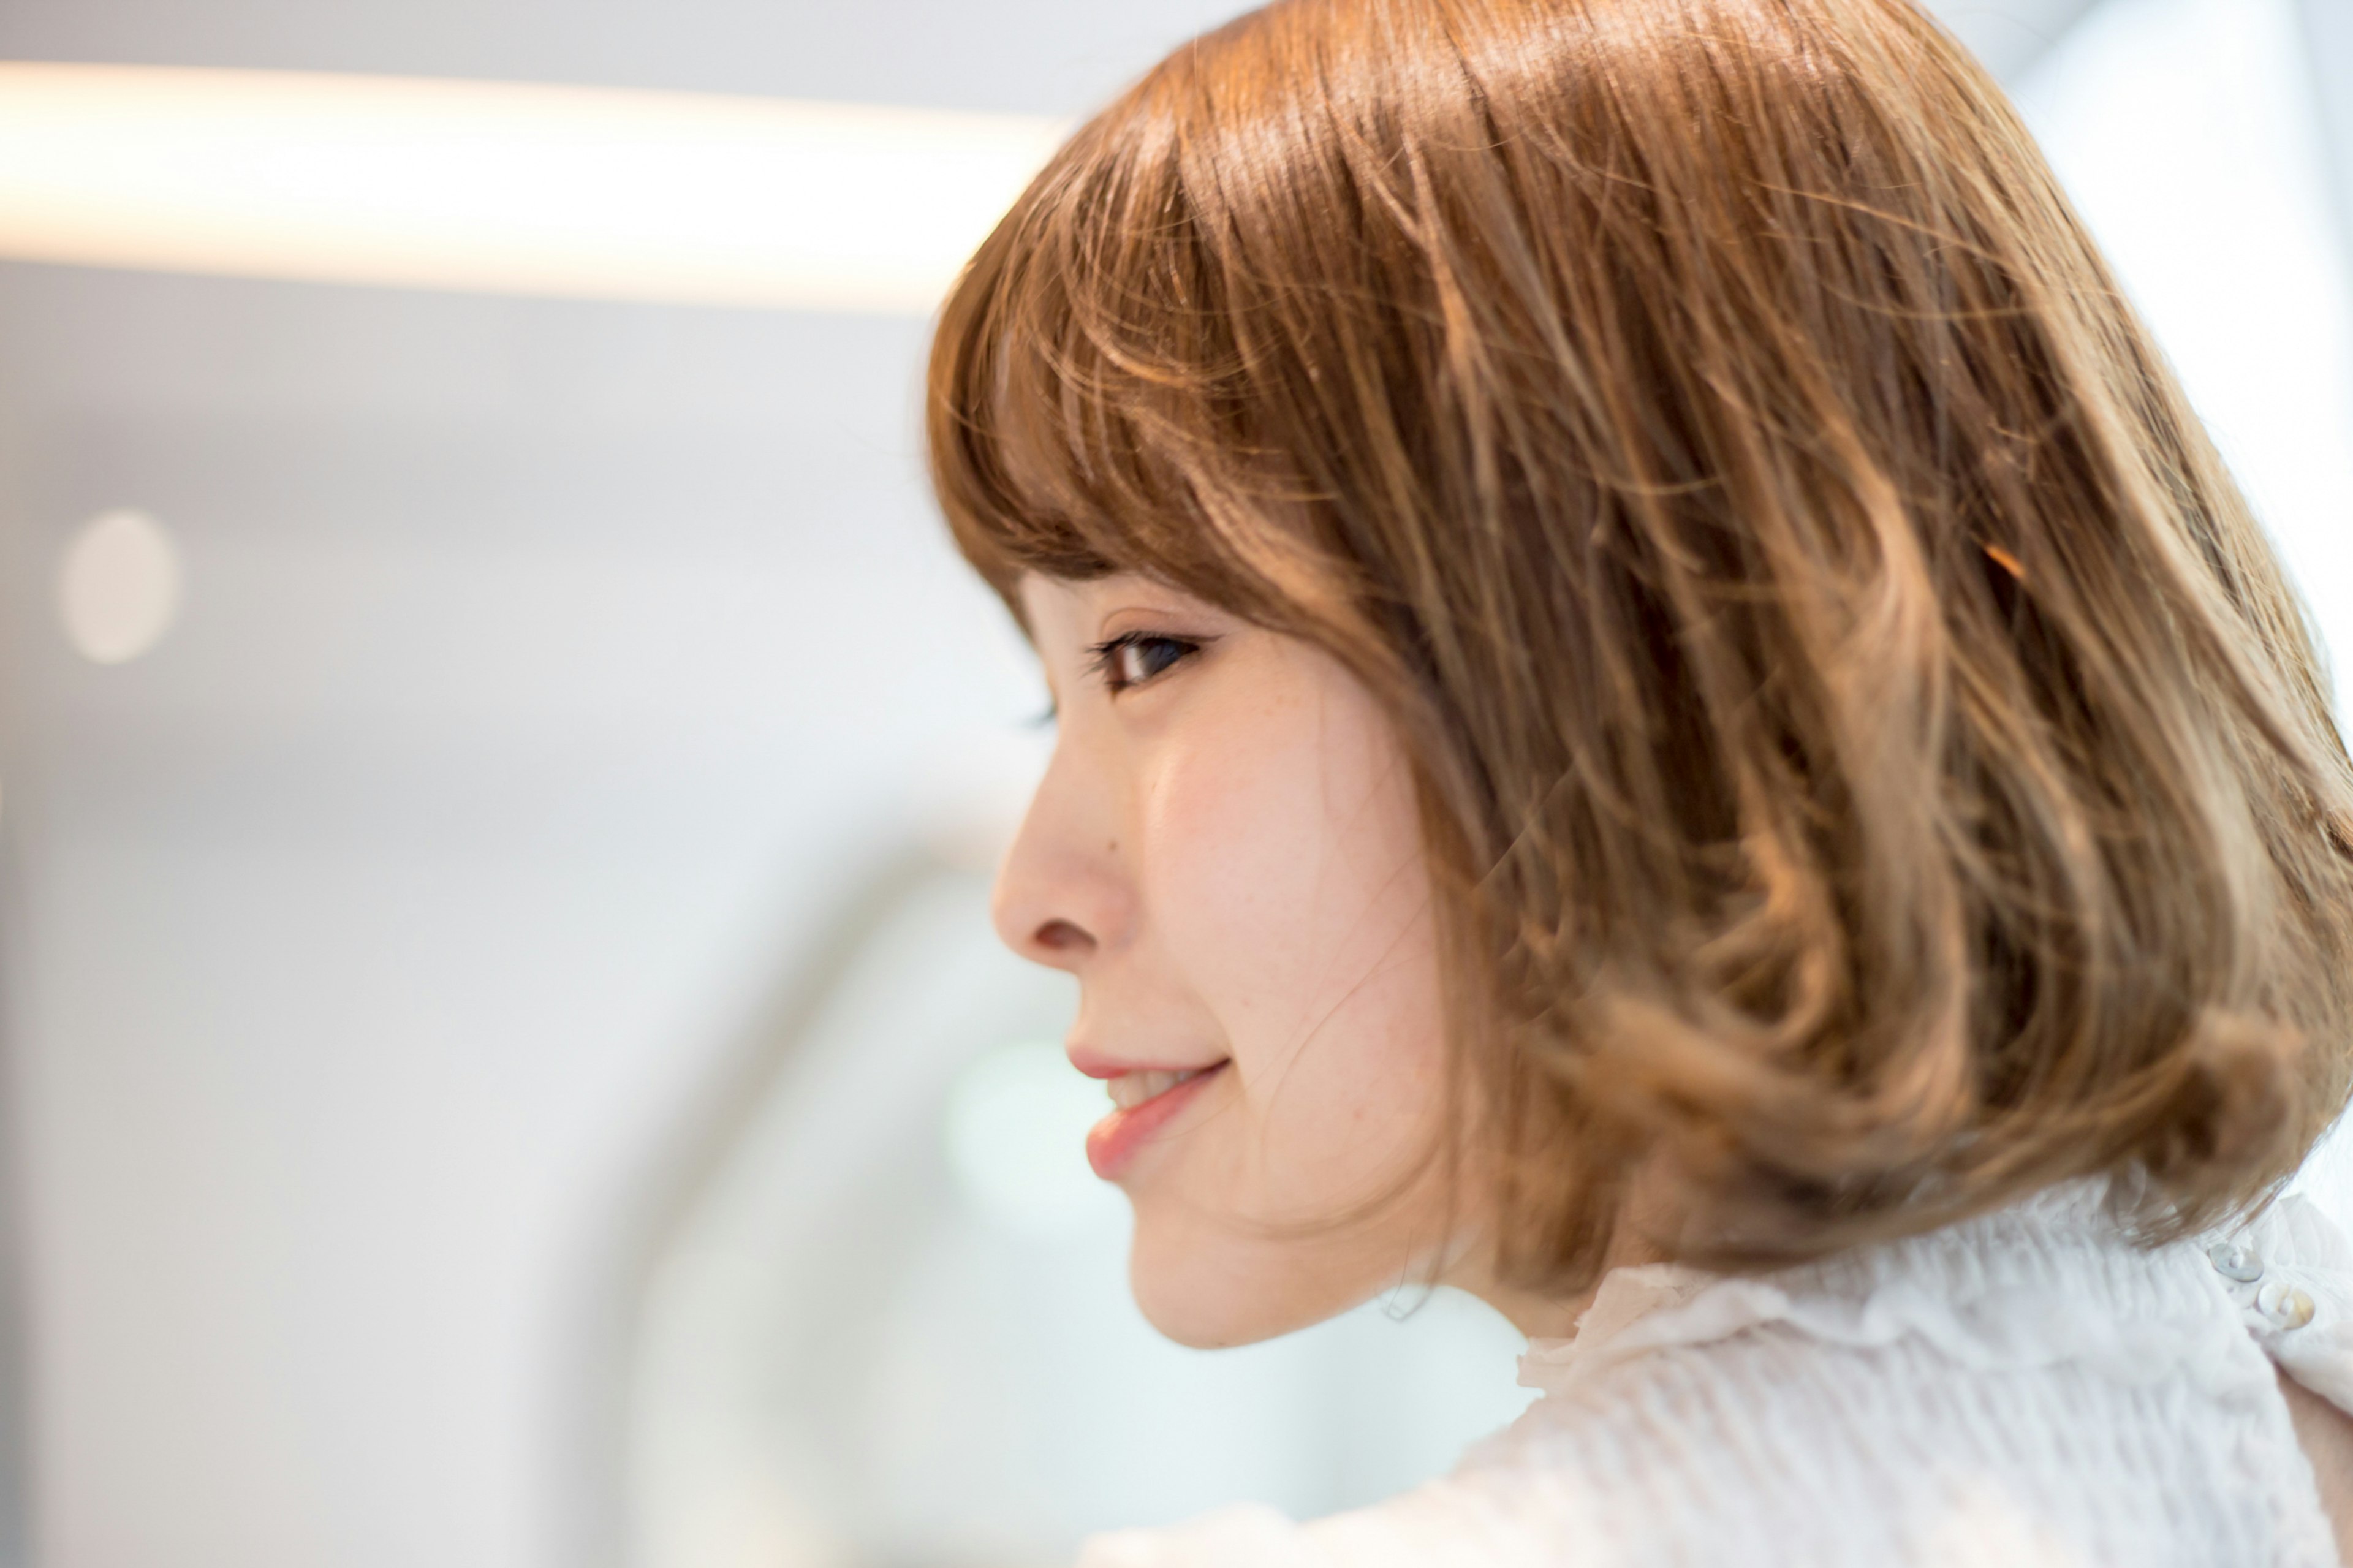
x=1108 y=657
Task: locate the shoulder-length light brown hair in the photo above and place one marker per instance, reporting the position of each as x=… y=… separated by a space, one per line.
x=1872 y=765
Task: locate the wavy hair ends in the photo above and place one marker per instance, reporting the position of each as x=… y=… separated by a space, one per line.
x=1873 y=764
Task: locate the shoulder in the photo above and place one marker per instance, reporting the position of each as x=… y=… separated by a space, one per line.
x=1455 y=1523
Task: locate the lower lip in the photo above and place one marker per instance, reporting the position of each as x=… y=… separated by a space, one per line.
x=1114 y=1141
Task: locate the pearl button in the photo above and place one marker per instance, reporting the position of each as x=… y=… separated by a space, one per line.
x=2285 y=1305
x=2235 y=1260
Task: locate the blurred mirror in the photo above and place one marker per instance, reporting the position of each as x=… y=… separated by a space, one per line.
x=889 y=1323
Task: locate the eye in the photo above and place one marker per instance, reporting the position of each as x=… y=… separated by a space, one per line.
x=1135 y=658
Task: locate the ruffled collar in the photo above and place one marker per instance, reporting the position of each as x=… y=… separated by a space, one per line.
x=2051 y=1279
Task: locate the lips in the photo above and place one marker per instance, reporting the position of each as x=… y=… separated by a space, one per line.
x=1146 y=1099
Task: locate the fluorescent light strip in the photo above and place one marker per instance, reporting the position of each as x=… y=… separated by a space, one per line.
x=502 y=187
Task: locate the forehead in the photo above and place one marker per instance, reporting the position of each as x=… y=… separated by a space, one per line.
x=1046 y=602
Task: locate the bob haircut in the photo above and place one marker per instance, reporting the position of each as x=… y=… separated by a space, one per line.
x=1872 y=764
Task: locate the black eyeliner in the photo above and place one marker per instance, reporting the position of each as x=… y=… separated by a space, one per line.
x=1104 y=653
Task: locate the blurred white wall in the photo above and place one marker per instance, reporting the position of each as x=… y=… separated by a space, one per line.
x=2191 y=136
x=545 y=670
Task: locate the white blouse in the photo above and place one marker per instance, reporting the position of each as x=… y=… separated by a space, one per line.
x=2027 y=1390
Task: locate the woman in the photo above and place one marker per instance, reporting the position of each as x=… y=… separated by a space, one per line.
x=1665 y=716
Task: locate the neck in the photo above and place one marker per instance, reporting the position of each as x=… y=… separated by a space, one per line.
x=1536 y=1315
x=1541 y=1314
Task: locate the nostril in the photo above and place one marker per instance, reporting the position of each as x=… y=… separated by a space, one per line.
x=1061 y=936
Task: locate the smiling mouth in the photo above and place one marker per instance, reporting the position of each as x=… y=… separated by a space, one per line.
x=1130 y=1089
x=1145 y=1103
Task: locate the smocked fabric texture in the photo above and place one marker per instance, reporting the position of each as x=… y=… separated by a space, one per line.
x=2026 y=1390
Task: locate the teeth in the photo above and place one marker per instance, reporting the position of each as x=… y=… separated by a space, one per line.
x=1131 y=1090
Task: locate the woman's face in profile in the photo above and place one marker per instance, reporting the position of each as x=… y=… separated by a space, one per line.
x=1225 y=851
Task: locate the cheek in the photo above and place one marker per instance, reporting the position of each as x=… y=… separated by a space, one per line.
x=1286 y=867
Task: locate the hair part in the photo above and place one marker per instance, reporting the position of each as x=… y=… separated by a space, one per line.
x=1872 y=765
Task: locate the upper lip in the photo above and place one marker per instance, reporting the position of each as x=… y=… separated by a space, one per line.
x=1095 y=1065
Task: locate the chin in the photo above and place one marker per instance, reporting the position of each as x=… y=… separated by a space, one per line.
x=1207 y=1290
x=1203 y=1315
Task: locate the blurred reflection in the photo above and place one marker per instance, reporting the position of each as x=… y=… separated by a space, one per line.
x=118 y=587
x=890 y=1322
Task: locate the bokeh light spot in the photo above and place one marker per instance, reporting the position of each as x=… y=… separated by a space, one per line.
x=118 y=586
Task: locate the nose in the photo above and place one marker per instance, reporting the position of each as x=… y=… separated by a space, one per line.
x=1060 y=897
